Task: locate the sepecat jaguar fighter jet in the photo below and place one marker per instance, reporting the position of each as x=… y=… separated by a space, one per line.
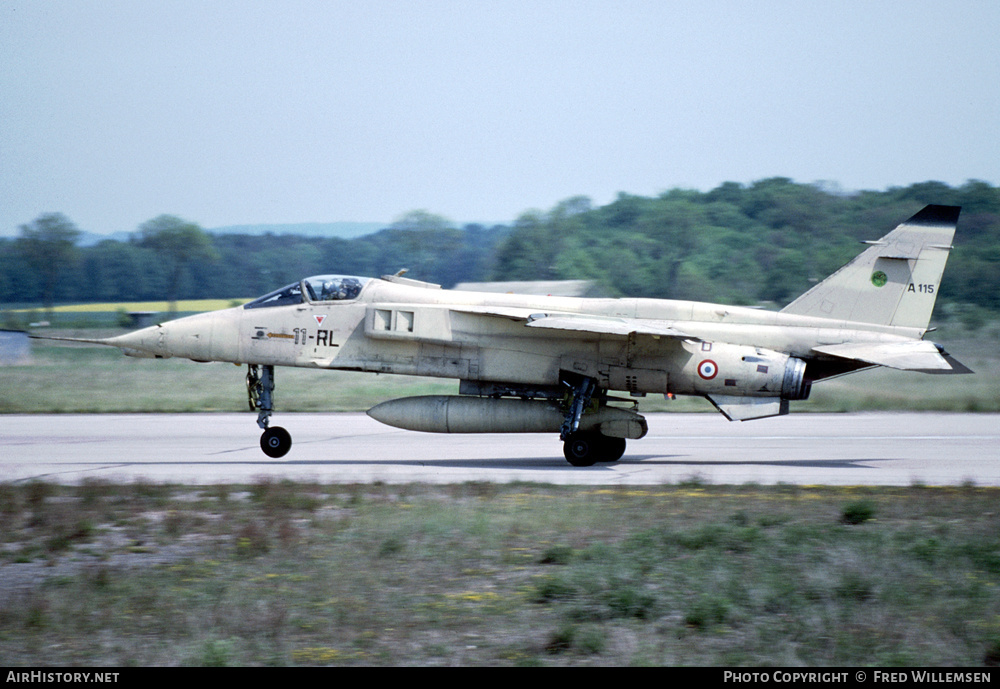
x=535 y=364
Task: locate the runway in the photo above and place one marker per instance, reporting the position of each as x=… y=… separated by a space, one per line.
x=806 y=449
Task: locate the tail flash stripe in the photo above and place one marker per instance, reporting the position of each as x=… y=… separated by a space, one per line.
x=936 y=215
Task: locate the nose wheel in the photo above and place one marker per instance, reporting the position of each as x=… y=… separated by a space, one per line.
x=275 y=441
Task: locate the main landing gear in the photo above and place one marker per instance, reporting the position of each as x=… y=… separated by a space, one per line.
x=586 y=448
x=275 y=441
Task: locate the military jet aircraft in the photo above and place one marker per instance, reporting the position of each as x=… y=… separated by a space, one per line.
x=535 y=364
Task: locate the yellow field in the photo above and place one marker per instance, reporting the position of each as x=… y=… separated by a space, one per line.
x=182 y=305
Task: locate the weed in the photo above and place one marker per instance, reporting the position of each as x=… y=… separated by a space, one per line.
x=586 y=639
x=561 y=640
x=393 y=545
x=854 y=586
x=857 y=512
x=216 y=653
x=991 y=657
x=251 y=540
x=707 y=610
x=553 y=588
x=557 y=555
x=38 y=492
x=629 y=600
x=591 y=640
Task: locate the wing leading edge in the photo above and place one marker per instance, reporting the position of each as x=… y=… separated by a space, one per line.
x=598 y=325
x=607 y=325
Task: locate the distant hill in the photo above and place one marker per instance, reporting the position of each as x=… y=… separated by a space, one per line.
x=343 y=230
x=324 y=230
x=92 y=238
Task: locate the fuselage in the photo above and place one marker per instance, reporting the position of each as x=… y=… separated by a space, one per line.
x=412 y=328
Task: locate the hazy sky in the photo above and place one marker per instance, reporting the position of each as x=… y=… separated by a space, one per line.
x=295 y=111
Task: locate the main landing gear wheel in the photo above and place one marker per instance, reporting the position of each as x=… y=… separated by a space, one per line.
x=586 y=449
x=612 y=449
x=276 y=442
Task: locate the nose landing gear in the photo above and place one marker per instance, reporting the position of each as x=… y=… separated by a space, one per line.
x=275 y=441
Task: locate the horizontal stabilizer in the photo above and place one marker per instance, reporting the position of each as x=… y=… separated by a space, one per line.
x=914 y=355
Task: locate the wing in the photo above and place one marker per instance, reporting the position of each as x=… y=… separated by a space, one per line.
x=606 y=325
x=601 y=325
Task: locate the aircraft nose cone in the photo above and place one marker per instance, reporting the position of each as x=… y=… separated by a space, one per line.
x=202 y=337
x=148 y=342
x=189 y=337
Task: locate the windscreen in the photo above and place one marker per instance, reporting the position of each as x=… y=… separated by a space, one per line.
x=292 y=294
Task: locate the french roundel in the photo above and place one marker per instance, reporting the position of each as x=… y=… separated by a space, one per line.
x=708 y=369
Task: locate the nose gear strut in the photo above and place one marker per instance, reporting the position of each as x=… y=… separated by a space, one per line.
x=275 y=441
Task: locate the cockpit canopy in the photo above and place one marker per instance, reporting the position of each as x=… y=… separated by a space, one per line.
x=318 y=288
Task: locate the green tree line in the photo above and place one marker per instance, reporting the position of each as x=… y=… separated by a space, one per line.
x=764 y=242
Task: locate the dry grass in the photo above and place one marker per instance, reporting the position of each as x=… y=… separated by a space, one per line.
x=282 y=573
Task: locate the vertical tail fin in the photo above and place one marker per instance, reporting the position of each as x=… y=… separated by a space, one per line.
x=893 y=282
